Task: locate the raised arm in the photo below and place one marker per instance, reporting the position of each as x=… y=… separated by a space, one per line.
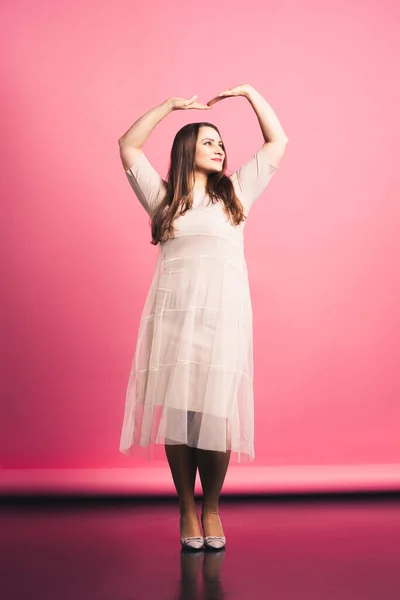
x=147 y=184
x=251 y=179
x=131 y=143
x=273 y=132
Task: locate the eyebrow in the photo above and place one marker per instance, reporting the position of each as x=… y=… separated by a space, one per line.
x=212 y=139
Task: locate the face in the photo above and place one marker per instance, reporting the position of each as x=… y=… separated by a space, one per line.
x=209 y=146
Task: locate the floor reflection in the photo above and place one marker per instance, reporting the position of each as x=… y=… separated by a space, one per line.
x=208 y=563
x=277 y=549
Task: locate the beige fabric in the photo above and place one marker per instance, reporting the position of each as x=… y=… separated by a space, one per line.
x=191 y=380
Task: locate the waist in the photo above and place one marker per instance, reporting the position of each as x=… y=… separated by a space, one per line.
x=190 y=249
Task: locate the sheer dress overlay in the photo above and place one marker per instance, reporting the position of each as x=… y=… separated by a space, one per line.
x=191 y=379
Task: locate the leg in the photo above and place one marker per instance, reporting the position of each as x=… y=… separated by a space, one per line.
x=183 y=465
x=212 y=469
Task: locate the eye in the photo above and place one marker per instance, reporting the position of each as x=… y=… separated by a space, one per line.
x=220 y=144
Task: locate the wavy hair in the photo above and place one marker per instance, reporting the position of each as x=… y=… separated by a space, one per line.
x=180 y=181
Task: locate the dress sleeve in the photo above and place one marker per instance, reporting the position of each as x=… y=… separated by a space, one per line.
x=251 y=179
x=147 y=184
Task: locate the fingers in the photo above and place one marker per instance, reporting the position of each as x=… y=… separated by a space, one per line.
x=200 y=106
x=192 y=104
x=213 y=101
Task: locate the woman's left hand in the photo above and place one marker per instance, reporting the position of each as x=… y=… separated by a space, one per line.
x=239 y=90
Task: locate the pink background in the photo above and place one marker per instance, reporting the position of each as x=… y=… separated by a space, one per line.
x=321 y=245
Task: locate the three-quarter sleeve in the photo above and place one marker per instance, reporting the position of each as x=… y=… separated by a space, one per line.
x=147 y=184
x=251 y=179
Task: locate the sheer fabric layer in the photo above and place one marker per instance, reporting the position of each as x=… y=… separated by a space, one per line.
x=191 y=380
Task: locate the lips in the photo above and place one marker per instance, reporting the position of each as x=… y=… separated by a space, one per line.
x=217 y=159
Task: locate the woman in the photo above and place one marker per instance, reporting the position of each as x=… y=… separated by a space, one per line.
x=191 y=383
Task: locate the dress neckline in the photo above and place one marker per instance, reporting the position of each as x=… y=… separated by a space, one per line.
x=199 y=197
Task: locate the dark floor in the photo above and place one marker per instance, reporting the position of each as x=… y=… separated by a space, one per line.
x=316 y=548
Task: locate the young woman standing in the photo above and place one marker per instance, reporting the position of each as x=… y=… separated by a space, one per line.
x=191 y=383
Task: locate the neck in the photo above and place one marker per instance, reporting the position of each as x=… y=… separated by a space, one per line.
x=200 y=180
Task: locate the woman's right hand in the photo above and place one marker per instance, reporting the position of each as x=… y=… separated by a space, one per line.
x=186 y=104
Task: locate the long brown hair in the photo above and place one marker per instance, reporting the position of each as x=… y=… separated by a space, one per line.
x=180 y=180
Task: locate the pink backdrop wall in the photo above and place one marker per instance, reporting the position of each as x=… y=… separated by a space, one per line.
x=321 y=245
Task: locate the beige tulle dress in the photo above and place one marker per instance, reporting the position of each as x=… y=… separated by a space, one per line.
x=191 y=380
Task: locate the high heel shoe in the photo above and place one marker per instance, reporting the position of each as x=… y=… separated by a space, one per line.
x=194 y=542
x=215 y=542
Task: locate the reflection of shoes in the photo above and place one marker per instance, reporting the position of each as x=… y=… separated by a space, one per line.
x=194 y=542
x=189 y=556
x=215 y=542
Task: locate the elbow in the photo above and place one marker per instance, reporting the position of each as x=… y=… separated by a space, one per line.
x=122 y=142
x=282 y=140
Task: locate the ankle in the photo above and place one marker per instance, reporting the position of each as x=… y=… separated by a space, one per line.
x=188 y=511
x=209 y=510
